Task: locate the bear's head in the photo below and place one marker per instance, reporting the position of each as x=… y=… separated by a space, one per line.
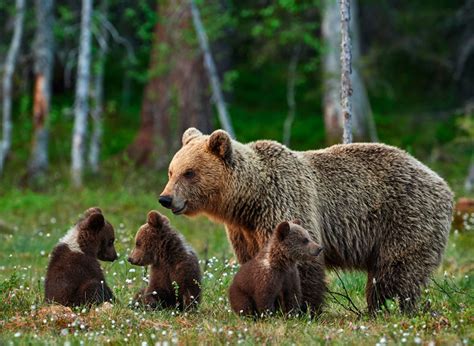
x=148 y=238
x=95 y=236
x=197 y=172
x=295 y=240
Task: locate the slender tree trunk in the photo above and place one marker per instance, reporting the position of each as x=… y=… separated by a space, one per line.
x=212 y=71
x=81 y=106
x=290 y=95
x=331 y=68
x=43 y=51
x=346 y=69
x=363 y=124
x=363 y=118
x=98 y=110
x=9 y=69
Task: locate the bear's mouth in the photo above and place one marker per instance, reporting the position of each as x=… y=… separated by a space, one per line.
x=179 y=210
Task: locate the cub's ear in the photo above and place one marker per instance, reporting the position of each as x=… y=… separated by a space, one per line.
x=282 y=230
x=297 y=222
x=220 y=144
x=156 y=220
x=190 y=134
x=93 y=210
x=94 y=221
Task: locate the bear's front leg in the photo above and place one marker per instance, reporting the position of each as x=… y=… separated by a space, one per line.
x=244 y=244
x=313 y=286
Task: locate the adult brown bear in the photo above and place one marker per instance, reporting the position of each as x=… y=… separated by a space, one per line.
x=373 y=207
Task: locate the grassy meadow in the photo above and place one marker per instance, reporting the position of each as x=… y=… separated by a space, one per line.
x=34 y=220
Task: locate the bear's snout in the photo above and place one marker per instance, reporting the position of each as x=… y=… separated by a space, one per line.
x=132 y=261
x=165 y=201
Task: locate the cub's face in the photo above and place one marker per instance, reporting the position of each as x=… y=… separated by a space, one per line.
x=96 y=236
x=198 y=172
x=147 y=240
x=297 y=241
x=106 y=238
x=143 y=254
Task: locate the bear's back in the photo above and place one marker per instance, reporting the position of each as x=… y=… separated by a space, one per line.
x=67 y=270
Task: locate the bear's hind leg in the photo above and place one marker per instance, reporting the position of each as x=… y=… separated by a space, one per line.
x=399 y=279
x=93 y=292
x=240 y=302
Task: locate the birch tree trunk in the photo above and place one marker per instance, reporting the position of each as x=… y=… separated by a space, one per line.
x=81 y=106
x=363 y=124
x=346 y=86
x=43 y=67
x=218 y=97
x=98 y=110
x=290 y=95
x=9 y=69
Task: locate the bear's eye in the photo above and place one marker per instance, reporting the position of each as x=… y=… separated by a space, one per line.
x=305 y=241
x=189 y=174
x=111 y=242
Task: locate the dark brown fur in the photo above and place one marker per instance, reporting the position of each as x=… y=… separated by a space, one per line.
x=175 y=278
x=271 y=280
x=74 y=276
x=372 y=206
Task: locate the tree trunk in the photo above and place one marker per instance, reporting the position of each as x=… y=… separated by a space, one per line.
x=9 y=69
x=212 y=71
x=98 y=110
x=81 y=106
x=290 y=95
x=346 y=86
x=43 y=67
x=176 y=95
x=363 y=125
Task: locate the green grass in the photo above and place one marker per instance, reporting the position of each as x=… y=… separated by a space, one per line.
x=37 y=219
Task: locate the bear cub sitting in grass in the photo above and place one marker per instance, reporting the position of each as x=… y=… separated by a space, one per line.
x=175 y=278
x=74 y=276
x=271 y=281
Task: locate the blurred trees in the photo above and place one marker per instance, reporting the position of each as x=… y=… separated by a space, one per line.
x=363 y=124
x=43 y=68
x=81 y=101
x=177 y=93
x=7 y=81
x=275 y=60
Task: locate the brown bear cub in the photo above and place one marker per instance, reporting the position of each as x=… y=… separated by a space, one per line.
x=271 y=281
x=175 y=278
x=74 y=276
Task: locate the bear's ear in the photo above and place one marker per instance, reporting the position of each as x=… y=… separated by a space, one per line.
x=282 y=230
x=94 y=221
x=297 y=222
x=156 y=220
x=190 y=134
x=220 y=144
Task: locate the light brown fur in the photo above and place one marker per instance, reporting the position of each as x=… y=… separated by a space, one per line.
x=373 y=207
